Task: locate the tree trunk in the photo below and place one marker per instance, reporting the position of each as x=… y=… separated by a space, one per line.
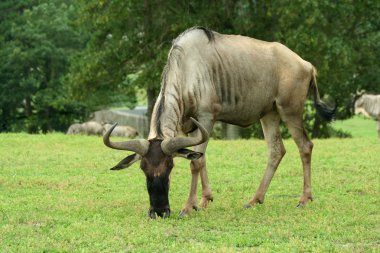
x=31 y=128
x=28 y=106
x=229 y=14
x=147 y=19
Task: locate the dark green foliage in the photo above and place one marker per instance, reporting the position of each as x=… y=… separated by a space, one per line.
x=35 y=54
x=339 y=38
x=98 y=53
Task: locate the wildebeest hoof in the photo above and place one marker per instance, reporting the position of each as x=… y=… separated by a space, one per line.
x=252 y=204
x=197 y=208
x=300 y=205
x=248 y=206
x=151 y=214
x=182 y=214
x=166 y=214
x=304 y=199
x=205 y=201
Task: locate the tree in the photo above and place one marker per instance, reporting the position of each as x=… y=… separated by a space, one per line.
x=35 y=57
x=127 y=44
x=341 y=40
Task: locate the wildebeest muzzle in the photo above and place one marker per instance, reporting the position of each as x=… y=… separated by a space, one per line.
x=160 y=212
x=158 y=189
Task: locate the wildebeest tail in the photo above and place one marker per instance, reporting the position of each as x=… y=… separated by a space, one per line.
x=326 y=112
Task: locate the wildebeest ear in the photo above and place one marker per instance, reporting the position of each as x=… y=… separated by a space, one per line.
x=126 y=162
x=188 y=154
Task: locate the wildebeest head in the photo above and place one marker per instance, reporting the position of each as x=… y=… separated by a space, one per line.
x=356 y=101
x=156 y=157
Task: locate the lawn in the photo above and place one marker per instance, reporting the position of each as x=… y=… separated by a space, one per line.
x=358 y=126
x=57 y=195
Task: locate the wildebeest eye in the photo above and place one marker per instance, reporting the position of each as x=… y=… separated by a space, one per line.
x=170 y=164
x=143 y=164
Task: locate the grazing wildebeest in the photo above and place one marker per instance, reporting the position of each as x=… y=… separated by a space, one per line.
x=368 y=105
x=122 y=131
x=89 y=128
x=233 y=79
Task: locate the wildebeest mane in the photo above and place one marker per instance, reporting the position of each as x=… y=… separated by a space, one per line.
x=160 y=109
x=173 y=62
x=209 y=33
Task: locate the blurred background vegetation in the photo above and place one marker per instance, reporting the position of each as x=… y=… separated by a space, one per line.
x=63 y=59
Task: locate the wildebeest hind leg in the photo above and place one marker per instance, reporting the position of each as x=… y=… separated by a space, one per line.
x=305 y=147
x=271 y=129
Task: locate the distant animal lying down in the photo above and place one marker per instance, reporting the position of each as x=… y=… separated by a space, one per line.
x=75 y=129
x=368 y=105
x=89 y=128
x=123 y=131
x=95 y=128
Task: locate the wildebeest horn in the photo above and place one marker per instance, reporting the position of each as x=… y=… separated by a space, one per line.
x=139 y=146
x=169 y=146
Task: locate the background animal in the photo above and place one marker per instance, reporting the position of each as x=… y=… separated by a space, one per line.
x=230 y=78
x=368 y=105
x=123 y=131
x=75 y=129
x=89 y=128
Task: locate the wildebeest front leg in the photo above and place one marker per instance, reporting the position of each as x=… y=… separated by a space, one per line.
x=199 y=166
x=270 y=124
x=191 y=202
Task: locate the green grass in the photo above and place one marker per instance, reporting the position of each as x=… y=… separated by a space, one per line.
x=57 y=195
x=358 y=126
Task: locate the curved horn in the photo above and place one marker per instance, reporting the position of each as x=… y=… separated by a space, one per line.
x=139 y=146
x=169 y=146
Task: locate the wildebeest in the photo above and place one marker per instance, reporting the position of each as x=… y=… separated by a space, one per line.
x=123 y=131
x=368 y=105
x=89 y=128
x=234 y=79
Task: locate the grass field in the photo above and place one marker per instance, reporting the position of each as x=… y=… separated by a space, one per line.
x=358 y=126
x=57 y=195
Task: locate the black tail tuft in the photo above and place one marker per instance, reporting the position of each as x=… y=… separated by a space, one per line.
x=326 y=112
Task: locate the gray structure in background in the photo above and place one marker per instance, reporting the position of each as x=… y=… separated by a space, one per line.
x=230 y=132
x=137 y=119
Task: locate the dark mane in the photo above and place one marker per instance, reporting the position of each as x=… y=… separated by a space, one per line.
x=160 y=109
x=209 y=33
